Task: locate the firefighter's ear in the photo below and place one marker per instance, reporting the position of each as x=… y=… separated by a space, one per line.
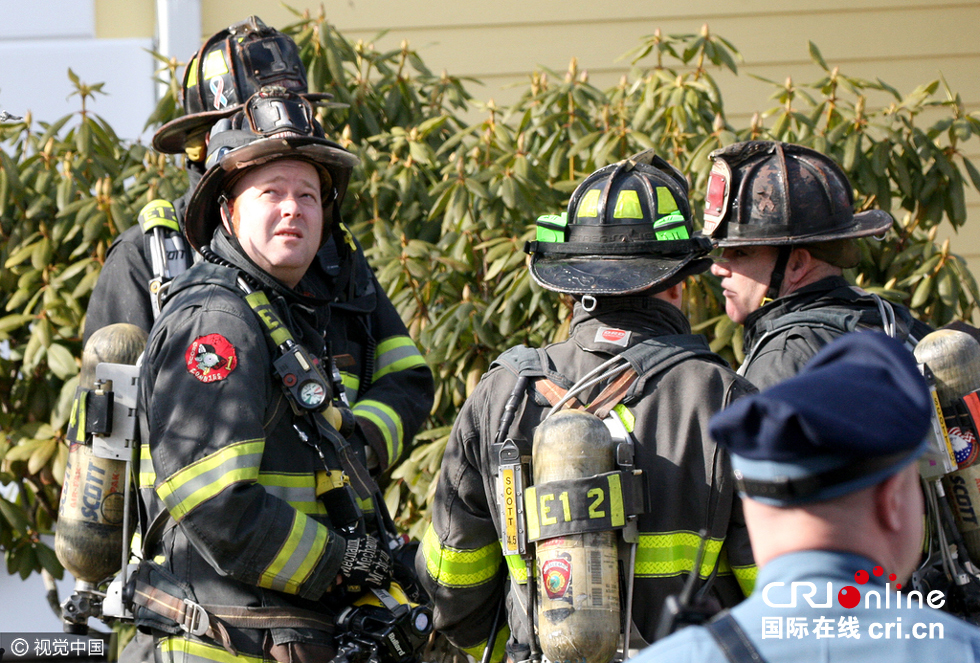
x=226 y=215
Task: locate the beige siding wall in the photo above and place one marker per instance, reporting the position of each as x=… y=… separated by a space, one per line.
x=903 y=42
x=118 y=19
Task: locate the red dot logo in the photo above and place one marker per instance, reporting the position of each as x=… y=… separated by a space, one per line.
x=849 y=597
x=861 y=577
x=877 y=571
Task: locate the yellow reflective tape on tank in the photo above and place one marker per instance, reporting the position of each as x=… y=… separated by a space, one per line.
x=386 y=420
x=628 y=205
x=626 y=417
x=575 y=506
x=263 y=309
x=517 y=568
x=76 y=420
x=616 y=511
x=452 y=567
x=589 y=207
x=665 y=201
x=499 y=647
x=147 y=475
x=181 y=650
x=195 y=484
x=214 y=65
x=366 y=504
x=394 y=354
x=531 y=512
x=298 y=556
x=158 y=213
x=672 y=554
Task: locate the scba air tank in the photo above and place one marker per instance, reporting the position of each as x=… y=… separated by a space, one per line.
x=89 y=536
x=577 y=578
x=954 y=359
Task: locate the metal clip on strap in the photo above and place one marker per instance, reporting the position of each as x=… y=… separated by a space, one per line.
x=195 y=619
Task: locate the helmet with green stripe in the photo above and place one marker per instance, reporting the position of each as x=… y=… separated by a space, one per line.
x=628 y=230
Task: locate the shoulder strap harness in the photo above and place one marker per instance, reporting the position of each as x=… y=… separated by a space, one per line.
x=165 y=245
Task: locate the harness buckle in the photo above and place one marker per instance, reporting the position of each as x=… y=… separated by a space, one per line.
x=195 y=620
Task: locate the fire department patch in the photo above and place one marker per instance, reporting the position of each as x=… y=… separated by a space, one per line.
x=211 y=358
x=556 y=574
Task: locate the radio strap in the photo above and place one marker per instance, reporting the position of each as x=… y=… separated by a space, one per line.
x=732 y=641
x=360 y=478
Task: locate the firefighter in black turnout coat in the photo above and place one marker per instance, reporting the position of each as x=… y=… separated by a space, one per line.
x=248 y=512
x=623 y=251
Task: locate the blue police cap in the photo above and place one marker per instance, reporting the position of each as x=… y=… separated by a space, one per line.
x=857 y=413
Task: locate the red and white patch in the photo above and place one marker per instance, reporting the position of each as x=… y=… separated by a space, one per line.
x=556 y=573
x=619 y=337
x=211 y=358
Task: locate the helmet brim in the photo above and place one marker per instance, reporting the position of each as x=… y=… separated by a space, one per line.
x=864 y=224
x=172 y=137
x=602 y=275
x=203 y=214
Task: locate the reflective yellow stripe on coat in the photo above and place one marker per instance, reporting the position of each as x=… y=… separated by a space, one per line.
x=452 y=567
x=195 y=484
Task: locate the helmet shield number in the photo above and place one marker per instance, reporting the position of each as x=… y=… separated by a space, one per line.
x=716 y=199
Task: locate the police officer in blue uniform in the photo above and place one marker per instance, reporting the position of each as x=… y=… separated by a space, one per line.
x=827 y=462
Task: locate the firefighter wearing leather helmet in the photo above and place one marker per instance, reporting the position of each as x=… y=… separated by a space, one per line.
x=385 y=376
x=228 y=69
x=784 y=217
x=628 y=228
x=254 y=533
x=631 y=367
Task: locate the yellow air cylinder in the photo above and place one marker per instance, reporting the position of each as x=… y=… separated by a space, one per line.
x=88 y=540
x=578 y=582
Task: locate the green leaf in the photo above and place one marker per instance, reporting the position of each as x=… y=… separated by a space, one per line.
x=48 y=560
x=61 y=362
x=816 y=56
x=15 y=517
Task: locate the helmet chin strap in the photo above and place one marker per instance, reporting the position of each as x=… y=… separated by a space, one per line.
x=778 y=273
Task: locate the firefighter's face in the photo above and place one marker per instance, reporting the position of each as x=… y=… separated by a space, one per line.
x=744 y=272
x=278 y=218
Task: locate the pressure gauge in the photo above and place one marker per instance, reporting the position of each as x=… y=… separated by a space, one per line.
x=312 y=393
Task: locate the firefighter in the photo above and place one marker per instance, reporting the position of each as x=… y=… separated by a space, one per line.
x=253 y=534
x=826 y=462
x=385 y=376
x=623 y=252
x=783 y=216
